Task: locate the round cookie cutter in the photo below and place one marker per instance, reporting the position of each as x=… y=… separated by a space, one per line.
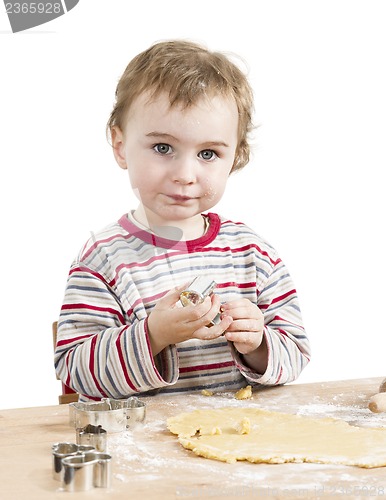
x=113 y=415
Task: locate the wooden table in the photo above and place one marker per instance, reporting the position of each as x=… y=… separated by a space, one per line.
x=149 y=463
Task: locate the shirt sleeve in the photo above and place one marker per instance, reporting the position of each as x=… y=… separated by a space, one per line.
x=99 y=352
x=287 y=341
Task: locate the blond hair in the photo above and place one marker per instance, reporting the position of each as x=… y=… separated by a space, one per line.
x=187 y=72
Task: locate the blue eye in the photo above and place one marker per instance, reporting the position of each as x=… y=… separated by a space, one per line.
x=207 y=154
x=162 y=148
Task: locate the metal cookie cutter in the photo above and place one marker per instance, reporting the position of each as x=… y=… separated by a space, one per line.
x=102 y=468
x=65 y=450
x=113 y=415
x=78 y=473
x=80 y=468
x=197 y=292
x=92 y=435
x=85 y=471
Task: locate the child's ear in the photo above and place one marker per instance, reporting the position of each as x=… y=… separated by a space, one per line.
x=117 y=142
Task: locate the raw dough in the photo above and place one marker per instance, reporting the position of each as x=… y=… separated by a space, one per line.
x=259 y=436
x=244 y=393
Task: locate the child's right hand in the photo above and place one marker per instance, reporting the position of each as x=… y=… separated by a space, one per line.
x=170 y=324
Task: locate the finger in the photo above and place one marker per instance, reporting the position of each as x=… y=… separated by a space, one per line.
x=172 y=296
x=242 y=310
x=204 y=314
x=245 y=325
x=234 y=304
x=195 y=312
x=241 y=337
x=213 y=332
x=244 y=340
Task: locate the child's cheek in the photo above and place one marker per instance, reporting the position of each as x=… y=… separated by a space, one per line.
x=210 y=193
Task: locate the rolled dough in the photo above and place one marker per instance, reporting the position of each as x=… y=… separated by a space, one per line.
x=260 y=436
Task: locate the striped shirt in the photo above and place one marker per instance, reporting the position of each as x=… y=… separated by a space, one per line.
x=103 y=347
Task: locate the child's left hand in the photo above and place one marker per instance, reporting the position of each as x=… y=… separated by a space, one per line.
x=246 y=329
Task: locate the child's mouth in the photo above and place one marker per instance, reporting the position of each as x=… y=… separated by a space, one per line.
x=180 y=198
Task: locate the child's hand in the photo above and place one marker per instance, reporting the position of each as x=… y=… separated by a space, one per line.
x=170 y=324
x=246 y=329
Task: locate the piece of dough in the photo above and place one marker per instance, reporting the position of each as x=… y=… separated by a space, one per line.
x=244 y=393
x=278 y=438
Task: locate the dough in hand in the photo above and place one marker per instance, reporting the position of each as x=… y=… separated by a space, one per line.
x=262 y=436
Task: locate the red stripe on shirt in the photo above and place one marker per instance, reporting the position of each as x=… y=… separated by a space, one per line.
x=123 y=361
x=91 y=366
x=213 y=366
x=72 y=340
x=94 y=308
x=282 y=297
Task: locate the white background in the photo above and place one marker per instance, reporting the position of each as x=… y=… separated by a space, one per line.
x=314 y=188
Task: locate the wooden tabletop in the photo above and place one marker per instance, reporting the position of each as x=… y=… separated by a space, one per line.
x=148 y=462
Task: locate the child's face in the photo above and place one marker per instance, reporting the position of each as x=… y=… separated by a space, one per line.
x=178 y=159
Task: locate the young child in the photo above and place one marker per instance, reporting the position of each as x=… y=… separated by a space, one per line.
x=180 y=127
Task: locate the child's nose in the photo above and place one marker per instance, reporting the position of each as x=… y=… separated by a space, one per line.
x=184 y=171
